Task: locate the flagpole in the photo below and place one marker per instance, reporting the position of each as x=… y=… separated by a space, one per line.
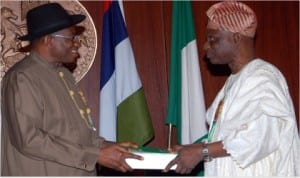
x=169 y=136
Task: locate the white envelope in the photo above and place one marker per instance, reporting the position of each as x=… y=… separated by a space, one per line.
x=152 y=160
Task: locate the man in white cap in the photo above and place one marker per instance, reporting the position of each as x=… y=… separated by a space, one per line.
x=47 y=129
x=253 y=130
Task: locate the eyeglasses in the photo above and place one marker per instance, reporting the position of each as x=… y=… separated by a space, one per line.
x=73 y=38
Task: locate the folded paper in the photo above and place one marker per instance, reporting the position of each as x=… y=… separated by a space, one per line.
x=154 y=158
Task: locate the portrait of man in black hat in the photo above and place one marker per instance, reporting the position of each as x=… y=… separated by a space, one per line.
x=47 y=129
x=13 y=26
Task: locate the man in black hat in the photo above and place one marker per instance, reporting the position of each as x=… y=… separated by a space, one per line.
x=47 y=129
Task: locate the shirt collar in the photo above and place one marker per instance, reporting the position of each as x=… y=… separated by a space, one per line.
x=44 y=62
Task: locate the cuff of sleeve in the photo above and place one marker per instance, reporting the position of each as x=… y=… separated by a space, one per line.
x=242 y=162
x=89 y=158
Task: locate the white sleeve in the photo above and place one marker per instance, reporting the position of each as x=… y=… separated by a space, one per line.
x=257 y=119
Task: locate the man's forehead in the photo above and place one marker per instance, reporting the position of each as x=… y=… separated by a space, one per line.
x=215 y=32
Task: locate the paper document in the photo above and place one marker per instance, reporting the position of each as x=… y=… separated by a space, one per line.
x=154 y=158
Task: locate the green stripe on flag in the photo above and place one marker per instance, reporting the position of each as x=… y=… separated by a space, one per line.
x=134 y=121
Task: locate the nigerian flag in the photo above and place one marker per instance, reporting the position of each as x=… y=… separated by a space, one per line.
x=186 y=107
x=124 y=114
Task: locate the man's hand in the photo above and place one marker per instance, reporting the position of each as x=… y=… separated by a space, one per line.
x=114 y=155
x=128 y=144
x=188 y=157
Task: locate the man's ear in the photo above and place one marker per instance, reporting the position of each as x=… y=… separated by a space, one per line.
x=237 y=37
x=46 y=40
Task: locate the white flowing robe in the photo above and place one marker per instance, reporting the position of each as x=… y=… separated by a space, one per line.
x=257 y=125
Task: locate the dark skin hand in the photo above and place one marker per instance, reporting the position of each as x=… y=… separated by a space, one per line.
x=113 y=155
x=190 y=155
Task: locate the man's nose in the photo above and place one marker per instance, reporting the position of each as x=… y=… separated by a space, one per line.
x=206 y=46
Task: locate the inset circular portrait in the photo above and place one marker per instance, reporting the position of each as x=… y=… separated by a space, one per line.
x=13 y=25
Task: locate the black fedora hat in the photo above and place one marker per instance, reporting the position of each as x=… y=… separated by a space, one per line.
x=48 y=18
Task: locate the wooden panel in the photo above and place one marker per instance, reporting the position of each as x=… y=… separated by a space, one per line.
x=149 y=27
x=148 y=42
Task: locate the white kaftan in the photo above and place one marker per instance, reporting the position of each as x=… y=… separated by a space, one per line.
x=257 y=125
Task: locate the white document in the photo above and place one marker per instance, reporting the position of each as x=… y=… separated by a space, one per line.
x=152 y=160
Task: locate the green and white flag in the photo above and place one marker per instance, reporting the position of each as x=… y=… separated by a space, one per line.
x=124 y=114
x=186 y=106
